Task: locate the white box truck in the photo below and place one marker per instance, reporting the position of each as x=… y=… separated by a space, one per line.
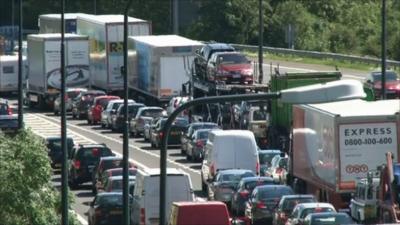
x=106 y=35
x=163 y=62
x=334 y=144
x=51 y=23
x=9 y=72
x=44 y=61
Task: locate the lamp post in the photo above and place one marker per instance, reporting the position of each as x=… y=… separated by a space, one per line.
x=20 y=81
x=332 y=91
x=383 y=43
x=64 y=169
x=261 y=42
x=125 y=153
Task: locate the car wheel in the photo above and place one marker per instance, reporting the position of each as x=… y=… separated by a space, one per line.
x=189 y=158
x=56 y=113
x=152 y=144
x=94 y=190
x=89 y=121
x=73 y=184
x=145 y=138
x=103 y=125
x=74 y=116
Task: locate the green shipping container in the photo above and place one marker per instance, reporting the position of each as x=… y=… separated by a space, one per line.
x=281 y=113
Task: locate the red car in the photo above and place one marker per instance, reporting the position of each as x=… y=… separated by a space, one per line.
x=392 y=84
x=99 y=104
x=230 y=67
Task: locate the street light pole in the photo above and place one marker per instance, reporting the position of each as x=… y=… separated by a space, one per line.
x=125 y=179
x=261 y=42
x=20 y=67
x=64 y=169
x=383 y=45
x=332 y=91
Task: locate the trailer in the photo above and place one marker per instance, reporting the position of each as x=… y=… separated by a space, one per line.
x=44 y=66
x=106 y=47
x=163 y=63
x=51 y=23
x=336 y=144
x=9 y=72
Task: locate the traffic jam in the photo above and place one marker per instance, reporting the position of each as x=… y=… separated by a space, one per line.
x=245 y=162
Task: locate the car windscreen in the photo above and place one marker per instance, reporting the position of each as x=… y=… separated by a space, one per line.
x=152 y=113
x=132 y=109
x=56 y=144
x=177 y=122
x=315 y=210
x=289 y=204
x=110 y=164
x=250 y=185
x=3 y=109
x=92 y=155
x=110 y=200
x=389 y=76
x=267 y=193
x=232 y=59
x=202 y=135
x=235 y=177
x=103 y=102
x=265 y=158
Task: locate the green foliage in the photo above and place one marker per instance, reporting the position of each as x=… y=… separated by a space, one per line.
x=26 y=192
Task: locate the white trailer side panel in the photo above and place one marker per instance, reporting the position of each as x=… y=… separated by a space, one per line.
x=172 y=75
x=9 y=73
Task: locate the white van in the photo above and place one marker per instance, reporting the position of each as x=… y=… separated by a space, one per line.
x=229 y=149
x=146 y=196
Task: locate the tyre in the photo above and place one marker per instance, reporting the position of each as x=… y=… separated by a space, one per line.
x=188 y=157
x=74 y=116
x=94 y=191
x=89 y=122
x=56 y=113
x=103 y=125
x=73 y=184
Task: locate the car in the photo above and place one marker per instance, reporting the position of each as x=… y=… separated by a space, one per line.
x=54 y=150
x=143 y=117
x=5 y=109
x=223 y=186
x=286 y=206
x=263 y=201
x=105 y=163
x=244 y=190
x=187 y=136
x=392 y=84
x=83 y=160
x=230 y=68
x=195 y=145
x=110 y=173
x=265 y=156
x=115 y=183
x=301 y=210
x=97 y=107
x=82 y=102
x=148 y=128
x=174 y=138
x=9 y=124
x=226 y=149
x=70 y=95
x=106 y=208
x=175 y=102
x=278 y=168
x=329 y=218
x=195 y=213
x=118 y=118
x=111 y=109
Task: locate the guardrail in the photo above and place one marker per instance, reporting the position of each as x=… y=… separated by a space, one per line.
x=320 y=55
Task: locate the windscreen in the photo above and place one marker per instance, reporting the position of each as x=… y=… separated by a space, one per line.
x=232 y=59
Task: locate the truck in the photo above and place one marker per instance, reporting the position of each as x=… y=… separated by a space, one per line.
x=44 y=66
x=106 y=47
x=335 y=144
x=162 y=67
x=51 y=23
x=9 y=72
x=280 y=118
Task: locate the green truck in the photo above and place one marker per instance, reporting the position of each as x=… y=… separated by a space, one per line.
x=281 y=113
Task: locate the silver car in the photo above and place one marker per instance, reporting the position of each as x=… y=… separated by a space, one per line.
x=71 y=94
x=143 y=117
x=111 y=109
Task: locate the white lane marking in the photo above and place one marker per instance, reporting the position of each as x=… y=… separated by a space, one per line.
x=72 y=134
x=80 y=218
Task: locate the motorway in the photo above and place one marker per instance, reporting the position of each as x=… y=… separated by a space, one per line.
x=46 y=124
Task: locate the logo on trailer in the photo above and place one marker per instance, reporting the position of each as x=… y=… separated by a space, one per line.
x=363 y=168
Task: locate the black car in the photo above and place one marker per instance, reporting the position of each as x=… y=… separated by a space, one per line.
x=83 y=160
x=5 y=109
x=117 y=119
x=83 y=102
x=187 y=136
x=53 y=145
x=178 y=126
x=9 y=124
x=244 y=190
x=106 y=208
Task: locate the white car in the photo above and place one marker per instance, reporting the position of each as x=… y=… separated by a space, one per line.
x=278 y=169
x=175 y=102
x=301 y=210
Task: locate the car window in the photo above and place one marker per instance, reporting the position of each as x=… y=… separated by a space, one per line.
x=390 y=76
x=3 y=109
x=110 y=200
x=307 y=211
x=332 y=220
x=92 y=154
x=289 y=204
x=266 y=158
x=252 y=184
x=202 y=135
x=234 y=177
x=232 y=59
x=111 y=164
x=116 y=105
x=56 y=144
x=274 y=193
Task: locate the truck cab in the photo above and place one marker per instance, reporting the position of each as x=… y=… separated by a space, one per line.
x=363 y=205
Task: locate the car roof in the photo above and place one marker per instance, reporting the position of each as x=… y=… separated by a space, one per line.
x=51 y=138
x=150 y=107
x=228 y=53
x=269 y=151
x=323 y=214
x=202 y=123
x=229 y=133
x=109 y=158
x=272 y=186
x=220 y=46
x=203 y=130
x=314 y=205
x=76 y=89
x=103 y=194
x=249 y=179
x=93 y=92
x=113 y=178
x=234 y=171
x=198 y=203
x=156 y=171
x=93 y=146
x=297 y=196
x=106 y=97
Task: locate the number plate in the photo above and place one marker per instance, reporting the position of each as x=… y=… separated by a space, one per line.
x=236 y=75
x=115 y=212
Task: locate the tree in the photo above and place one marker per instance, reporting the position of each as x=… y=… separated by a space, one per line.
x=26 y=193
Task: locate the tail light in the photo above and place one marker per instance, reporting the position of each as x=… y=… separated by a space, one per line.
x=9 y=111
x=199 y=143
x=261 y=205
x=161 y=134
x=212 y=169
x=142 y=216
x=99 y=107
x=244 y=194
x=95 y=152
x=77 y=164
